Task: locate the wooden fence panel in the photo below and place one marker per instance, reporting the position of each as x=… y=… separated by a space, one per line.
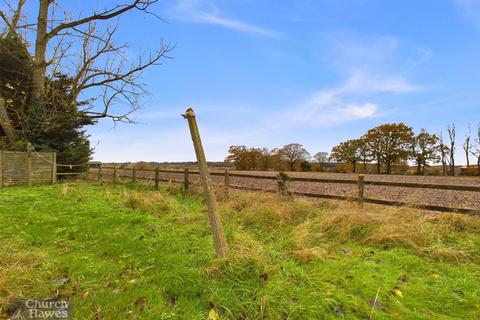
x=14 y=167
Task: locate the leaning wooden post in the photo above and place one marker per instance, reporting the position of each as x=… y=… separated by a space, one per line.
x=156 y=177
x=115 y=173
x=54 y=167
x=221 y=246
x=361 y=189
x=134 y=174
x=186 y=183
x=226 y=183
x=29 y=165
x=99 y=172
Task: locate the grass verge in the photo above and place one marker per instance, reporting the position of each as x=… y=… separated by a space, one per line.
x=128 y=252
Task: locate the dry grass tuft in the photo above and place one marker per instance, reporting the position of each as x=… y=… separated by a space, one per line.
x=309 y=254
x=446 y=254
x=314 y=224
x=17 y=268
x=427 y=233
x=147 y=201
x=65 y=189
x=268 y=209
x=245 y=254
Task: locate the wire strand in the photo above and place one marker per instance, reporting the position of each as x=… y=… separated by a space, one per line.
x=57 y=164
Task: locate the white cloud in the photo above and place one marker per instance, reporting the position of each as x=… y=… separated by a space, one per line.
x=206 y=12
x=347 y=103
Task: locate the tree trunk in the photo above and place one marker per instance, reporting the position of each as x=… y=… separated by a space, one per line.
x=354 y=163
x=419 y=168
x=452 y=164
x=364 y=166
x=378 y=165
x=40 y=65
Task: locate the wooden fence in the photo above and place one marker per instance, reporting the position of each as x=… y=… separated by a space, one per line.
x=27 y=168
x=361 y=183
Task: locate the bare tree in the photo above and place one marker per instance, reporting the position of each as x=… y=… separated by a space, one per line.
x=467 y=146
x=102 y=75
x=475 y=150
x=452 y=136
x=444 y=151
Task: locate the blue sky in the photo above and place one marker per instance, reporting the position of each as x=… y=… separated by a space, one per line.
x=268 y=73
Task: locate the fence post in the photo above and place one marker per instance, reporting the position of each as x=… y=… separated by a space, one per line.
x=134 y=174
x=54 y=167
x=29 y=165
x=221 y=246
x=100 y=172
x=87 y=175
x=226 y=183
x=115 y=173
x=186 y=183
x=156 y=177
x=361 y=189
x=282 y=183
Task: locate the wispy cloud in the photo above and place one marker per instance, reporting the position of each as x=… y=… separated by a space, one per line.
x=377 y=83
x=208 y=13
x=373 y=73
x=346 y=102
x=470 y=9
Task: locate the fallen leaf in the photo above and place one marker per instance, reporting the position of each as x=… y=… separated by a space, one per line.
x=85 y=295
x=213 y=315
x=398 y=293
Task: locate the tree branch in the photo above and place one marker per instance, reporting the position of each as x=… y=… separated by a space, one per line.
x=141 y=5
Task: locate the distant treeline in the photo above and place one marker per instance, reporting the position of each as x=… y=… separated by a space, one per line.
x=388 y=148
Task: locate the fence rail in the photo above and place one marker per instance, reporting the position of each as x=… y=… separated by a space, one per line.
x=361 y=183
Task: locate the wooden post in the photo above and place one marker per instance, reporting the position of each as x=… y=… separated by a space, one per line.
x=186 y=183
x=29 y=165
x=361 y=189
x=226 y=183
x=282 y=183
x=134 y=174
x=100 y=172
x=54 y=167
x=156 y=177
x=115 y=173
x=221 y=246
x=87 y=175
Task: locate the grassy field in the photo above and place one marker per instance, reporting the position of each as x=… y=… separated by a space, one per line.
x=128 y=252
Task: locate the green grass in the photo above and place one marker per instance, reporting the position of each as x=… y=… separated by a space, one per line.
x=128 y=252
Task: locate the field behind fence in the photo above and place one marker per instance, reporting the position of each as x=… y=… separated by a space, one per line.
x=439 y=194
